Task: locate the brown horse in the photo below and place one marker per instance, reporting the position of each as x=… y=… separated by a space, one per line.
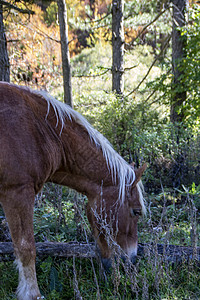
x=41 y=140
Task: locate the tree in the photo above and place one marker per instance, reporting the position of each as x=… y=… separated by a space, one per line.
x=178 y=54
x=117 y=46
x=62 y=15
x=4 y=60
x=190 y=67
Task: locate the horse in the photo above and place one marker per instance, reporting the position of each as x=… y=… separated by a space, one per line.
x=44 y=140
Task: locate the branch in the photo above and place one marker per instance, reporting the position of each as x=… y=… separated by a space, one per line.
x=130 y=68
x=99 y=20
x=13 y=41
x=147 y=99
x=39 y=31
x=87 y=76
x=11 y=6
x=54 y=249
x=152 y=93
x=153 y=63
x=146 y=26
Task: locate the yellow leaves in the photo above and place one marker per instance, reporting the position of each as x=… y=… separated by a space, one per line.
x=131 y=34
x=35 y=47
x=194 y=2
x=76 y=8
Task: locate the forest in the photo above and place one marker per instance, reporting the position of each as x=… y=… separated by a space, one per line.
x=143 y=95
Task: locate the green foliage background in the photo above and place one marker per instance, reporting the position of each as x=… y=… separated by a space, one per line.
x=139 y=128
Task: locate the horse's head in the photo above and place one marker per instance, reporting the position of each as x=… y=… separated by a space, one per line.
x=114 y=223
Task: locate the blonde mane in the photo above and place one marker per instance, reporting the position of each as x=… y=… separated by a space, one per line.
x=120 y=170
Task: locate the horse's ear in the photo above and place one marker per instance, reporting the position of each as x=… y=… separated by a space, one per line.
x=139 y=172
x=132 y=164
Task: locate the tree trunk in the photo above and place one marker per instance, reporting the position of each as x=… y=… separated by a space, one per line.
x=4 y=60
x=178 y=54
x=171 y=253
x=118 y=47
x=62 y=15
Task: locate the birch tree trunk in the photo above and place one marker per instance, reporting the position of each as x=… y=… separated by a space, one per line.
x=117 y=47
x=62 y=15
x=4 y=60
x=178 y=54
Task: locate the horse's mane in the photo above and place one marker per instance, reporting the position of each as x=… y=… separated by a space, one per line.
x=120 y=170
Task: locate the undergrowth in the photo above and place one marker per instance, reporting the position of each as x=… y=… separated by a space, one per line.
x=75 y=279
x=172 y=218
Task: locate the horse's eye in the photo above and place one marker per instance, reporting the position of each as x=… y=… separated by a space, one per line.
x=136 y=212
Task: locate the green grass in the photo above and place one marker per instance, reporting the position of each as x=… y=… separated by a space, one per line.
x=66 y=279
x=168 y=221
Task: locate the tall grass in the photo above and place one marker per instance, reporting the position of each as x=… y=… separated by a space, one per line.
x=172 y=219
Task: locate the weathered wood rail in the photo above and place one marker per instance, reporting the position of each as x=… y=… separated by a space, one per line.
x=170 y=253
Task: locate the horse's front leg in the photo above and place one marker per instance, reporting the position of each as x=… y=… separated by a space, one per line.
x=18 y=206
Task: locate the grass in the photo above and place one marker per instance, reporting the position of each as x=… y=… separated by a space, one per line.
x=75 y=278
x=169 y=222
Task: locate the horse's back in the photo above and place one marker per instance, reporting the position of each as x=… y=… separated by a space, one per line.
x=26 y=147
x=14 y=117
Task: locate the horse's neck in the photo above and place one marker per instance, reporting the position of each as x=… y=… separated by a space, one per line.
x=84 y=167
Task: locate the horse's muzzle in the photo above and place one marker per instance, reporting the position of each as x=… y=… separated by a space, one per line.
x=133 y=259
x=107 y=262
